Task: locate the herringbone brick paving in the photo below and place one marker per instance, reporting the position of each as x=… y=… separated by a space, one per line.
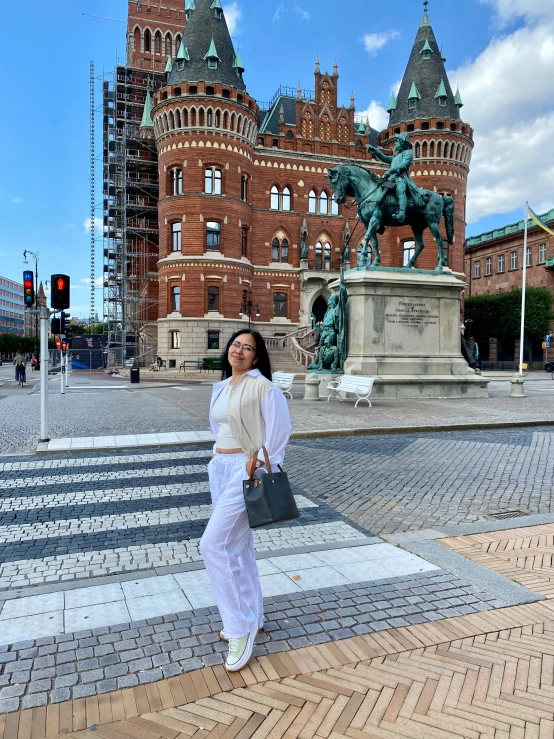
x=476 y=676
x=524 y=555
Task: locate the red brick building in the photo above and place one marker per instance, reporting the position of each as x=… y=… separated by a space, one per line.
x=242 y=183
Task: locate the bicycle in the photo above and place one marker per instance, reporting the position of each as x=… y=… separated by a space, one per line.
x=21 y=377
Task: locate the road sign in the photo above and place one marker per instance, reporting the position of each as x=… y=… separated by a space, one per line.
x=547 y=342
x=544 y=344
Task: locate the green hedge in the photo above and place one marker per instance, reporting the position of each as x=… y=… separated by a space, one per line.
x=499 y=315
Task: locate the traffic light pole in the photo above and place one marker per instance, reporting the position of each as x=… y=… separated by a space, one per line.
x=62 y=388
x=44 y=319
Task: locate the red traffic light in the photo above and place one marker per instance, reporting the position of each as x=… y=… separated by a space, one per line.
x=59 y=299
x=28 y=289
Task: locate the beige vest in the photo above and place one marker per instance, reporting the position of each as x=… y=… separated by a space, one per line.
x=244 y=412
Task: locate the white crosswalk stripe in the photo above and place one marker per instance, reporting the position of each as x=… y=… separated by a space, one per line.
x=193 y=469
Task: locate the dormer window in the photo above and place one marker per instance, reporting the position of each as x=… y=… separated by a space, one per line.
x=218 y=13
x=211 y=55
x=217 y=9
x=212 y=63
x=442 y=102
x=411 y=104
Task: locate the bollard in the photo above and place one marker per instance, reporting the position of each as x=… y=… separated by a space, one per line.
x=311 y=390
x=517 y=387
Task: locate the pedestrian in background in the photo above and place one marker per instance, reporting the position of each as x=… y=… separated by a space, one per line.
x=246 y=412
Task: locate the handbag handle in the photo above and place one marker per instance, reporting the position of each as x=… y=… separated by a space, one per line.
x=267 y=463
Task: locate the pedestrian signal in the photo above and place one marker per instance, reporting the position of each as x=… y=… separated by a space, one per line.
x=59 y=299
x=64 y=322
x=55 y=326
x=28 y=289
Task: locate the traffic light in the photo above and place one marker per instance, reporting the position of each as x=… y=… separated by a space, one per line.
x=59 y=299
x=64 y=322
x=56 y=327
x=68 y=332
x=28 y=289
x=64 y=344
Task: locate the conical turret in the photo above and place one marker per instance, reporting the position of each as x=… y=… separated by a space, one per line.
x=208 y=53
x=425 y=74
x=146 y=129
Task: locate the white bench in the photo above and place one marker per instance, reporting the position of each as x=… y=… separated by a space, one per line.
x=360 y=386
x=284 y=380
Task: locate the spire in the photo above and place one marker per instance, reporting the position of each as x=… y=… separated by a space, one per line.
x=392 y=103
x=317 y=68
x=40 y=292
x=335 y=68
x=281 y=114
x=425 y=20
x=169 y=65
x=207 y=48
x=442 y=54
x=458 y=99
x=146 y=121
x=182 y=53
x=352 y=100
x=299 y=92
x=424 y=77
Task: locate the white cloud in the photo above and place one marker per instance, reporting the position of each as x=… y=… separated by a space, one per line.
x=17 y=199
x=278 y=13
x=232 y=15
x=376 y=114
x=509 y=10
x=97 y=224
x=373 y=42
x=301 y=13
x=508 y=91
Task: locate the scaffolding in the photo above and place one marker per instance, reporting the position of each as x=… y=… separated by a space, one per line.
x=130 y=224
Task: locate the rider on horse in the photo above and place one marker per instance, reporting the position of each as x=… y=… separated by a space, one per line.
x=399 y=174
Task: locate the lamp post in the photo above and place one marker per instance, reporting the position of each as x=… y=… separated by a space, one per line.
x=26 y=261
x=247 y=306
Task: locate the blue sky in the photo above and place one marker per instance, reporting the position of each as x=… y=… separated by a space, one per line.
x=500 y=52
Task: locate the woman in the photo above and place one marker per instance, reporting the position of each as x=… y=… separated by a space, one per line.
x=246 y=412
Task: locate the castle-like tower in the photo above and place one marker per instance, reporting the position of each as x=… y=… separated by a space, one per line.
x=429 y=111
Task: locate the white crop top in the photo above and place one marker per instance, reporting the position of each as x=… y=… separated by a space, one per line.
x=225 y=438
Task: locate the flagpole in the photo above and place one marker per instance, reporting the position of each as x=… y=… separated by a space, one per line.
x=524 y=280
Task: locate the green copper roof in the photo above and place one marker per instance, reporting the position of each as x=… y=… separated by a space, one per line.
x=458 y=98
x=146 y=121
x=216 y=5
x=512 y=228
x=442 y=55
x=414 y=93
x=441 y=91
x=169 y=65
x=190 y=6
x=212 y=51
x=361 y=128
x=392 y=104
x=425 y=20
x=426 y=47
x=237 y=62
x=183 y=53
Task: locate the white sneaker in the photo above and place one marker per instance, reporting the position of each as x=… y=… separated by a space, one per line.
x=240 y=651
x=224 y=638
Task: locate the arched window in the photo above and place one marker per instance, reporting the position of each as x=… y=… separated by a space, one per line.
x=290 y=135
x=432 y=149
x=334 y=207
x=213 y=299
x=209 y=118
x=359 y=144
x=147 y=41
x=327 y=255
x=217 y=119
x=177 y=44
x=324 y=203
x=286 y=199
x=417 y=150
x=280 y=250
x=274 y=198
x=168 y=45
x=136 y=36
x=319 y=255
x=158 y=43
x=312 y=202
x=323 y=251
x=424 y=150
x=439 y=150
x=212 y=181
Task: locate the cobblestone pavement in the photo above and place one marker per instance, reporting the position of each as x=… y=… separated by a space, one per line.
x=417 y=481
x=103 y=586
x=100 y=412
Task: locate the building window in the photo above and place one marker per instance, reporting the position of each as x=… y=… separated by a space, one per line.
x=280 y=305
x=312 y=202
x=213 y=236
x=244 y=188
x=477 y=268
x=501 y=263
x=168 y=45
x=528 y=257
x=213 y=339
x=158 y=43
x=280 y=250
x=175 y=339
x=442 y=102
x=488 y=266
x=212 y=63
x=213 y=299
x=411 y=104
x=513 y=260
x=285 y=199
x=147 y=41
x=334 y=207
x=274 y=198
x=408 y=252
x=212 y=181
x=542 y=253
x=175 y=299
x=176 y=236
x=244 y=242
x=323 y=203
x=323 y=255
x=176 y=181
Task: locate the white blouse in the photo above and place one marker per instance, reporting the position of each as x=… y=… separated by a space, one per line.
x=276 y=416
x=224 y=438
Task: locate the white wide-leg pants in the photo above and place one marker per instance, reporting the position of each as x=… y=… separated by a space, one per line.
x=227 y=547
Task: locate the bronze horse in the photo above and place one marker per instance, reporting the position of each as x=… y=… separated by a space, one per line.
x=376 y=205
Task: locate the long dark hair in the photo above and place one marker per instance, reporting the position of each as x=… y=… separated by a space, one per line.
x=262 y=357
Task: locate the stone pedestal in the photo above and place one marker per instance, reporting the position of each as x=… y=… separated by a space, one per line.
x=324 y=379
x=517 y=387
x=311 y=390
x=404 y=330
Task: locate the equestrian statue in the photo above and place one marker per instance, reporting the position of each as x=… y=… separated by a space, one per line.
x=393 y=200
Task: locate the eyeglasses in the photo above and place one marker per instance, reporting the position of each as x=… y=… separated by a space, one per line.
x=245 y=347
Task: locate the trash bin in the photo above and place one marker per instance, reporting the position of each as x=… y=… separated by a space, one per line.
x=135 y=375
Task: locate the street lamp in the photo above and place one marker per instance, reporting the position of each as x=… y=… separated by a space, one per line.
x=248 y=305
x=25 y=261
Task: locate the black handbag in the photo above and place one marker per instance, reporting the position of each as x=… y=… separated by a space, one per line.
x=269 y=499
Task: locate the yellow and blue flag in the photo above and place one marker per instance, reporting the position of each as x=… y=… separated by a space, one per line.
x=534 y=217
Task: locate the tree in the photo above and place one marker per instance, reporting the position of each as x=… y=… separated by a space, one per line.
x=499 y=315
